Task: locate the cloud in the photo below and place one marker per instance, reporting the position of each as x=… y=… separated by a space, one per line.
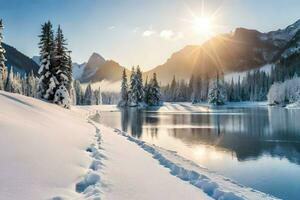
x=166 y=34
x=111 y=27
x=148 y=33
x=170 y=35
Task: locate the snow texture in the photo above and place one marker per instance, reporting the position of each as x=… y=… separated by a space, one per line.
x=287 y=92
x=215 y=186
x=43 y=149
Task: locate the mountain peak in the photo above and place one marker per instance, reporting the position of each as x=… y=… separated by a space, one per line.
x=96 y=58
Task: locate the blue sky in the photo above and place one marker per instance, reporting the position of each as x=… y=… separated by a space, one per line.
x=132 y=32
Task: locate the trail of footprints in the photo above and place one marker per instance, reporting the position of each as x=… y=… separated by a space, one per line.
x=90 y=184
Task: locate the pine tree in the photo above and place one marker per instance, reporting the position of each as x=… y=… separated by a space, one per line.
x=147 y=91
x=17 y=84
x=79 y=93
x=173 y=89
x=154 y=93
x=98 y=97
x=89 y=97
x=133 y=99
x=124 y=90
x=31 y=85
x=140 y=91
x=3 y=68
x=216 y=93
x=47 y=77
x=10 y=81
x=73 y=95
x=63 y=71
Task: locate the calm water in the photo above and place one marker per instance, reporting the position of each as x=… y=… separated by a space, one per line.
x=258 y=147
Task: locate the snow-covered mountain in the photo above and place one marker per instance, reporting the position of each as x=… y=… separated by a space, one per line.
x=238 y=51
x=94 y=62
x=20 y=62
x=241 y=50
x=97 y=69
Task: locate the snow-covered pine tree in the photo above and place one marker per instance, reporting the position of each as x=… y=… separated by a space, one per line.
x=62 y=70
x=73 y=96
x=124 y=90
x=173 y=89
x=192 y=89
x=10 y=81
x=147 y=92
x=217 y=93
x=3 y=68
x=47 y=79
x=89 y=97
x=79 y=93
x=24 y=85
x=154 y=94
x=17 y=84
x=133 y=99
x=98 y=96
x=139 y=86
x=31 y=85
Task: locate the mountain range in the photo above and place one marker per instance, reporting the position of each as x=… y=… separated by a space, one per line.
x=20 y=62
x=240 y=50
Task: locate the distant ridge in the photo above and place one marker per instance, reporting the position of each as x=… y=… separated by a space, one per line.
x=21 y=63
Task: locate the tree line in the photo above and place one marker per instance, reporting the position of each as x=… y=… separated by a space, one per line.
x=137 y=93
x=253 y=86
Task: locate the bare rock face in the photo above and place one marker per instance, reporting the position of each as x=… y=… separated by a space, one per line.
x=93 y=64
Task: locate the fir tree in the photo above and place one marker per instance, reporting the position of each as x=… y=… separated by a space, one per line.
x=89 y=97
x=10 y=81
x=3 y=68
x=133 y=99
x=147 y=91
x=154 y=92
x=63 y=70
x=47 y=77
x=139 y=85
x=31 y=85
x=98 y=97
x=79 y=93
x=124 y=90
x=216 y=94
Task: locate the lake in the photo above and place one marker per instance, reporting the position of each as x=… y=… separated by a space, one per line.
x=256 y=146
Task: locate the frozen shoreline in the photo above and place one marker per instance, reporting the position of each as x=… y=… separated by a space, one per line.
x=53 y=153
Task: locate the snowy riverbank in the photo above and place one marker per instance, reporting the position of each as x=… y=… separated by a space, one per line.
x=53 y=153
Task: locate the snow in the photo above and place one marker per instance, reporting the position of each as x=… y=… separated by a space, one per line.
x=131 y=173
x=48 y=152
x=214 y=185
x=287 y=92
x=295 y=105
x=42 y=149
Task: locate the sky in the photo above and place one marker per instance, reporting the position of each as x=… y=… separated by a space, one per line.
x=137 y=32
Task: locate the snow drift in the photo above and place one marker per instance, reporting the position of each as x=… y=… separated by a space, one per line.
x=42 y=149
x=214 y=185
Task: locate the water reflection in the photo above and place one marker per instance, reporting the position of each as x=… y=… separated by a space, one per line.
x=258 y=147
x=249 y=133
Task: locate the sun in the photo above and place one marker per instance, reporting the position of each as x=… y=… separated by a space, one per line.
x=202 y=25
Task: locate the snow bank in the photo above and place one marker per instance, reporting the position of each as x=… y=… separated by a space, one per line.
x=130 y=173
x=216 y=186
x=287 y=92
x=295 y=105
x=42 y=149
